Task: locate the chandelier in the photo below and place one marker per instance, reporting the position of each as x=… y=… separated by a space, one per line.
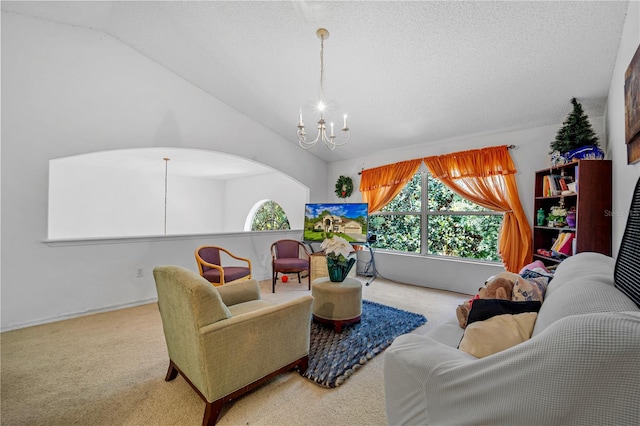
x=328 y=140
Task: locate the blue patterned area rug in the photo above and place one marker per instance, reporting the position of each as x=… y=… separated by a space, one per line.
x=334 y=357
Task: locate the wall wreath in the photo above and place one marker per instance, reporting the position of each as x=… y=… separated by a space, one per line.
x=344 y=187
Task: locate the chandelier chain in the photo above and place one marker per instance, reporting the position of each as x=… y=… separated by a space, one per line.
x=322 y=69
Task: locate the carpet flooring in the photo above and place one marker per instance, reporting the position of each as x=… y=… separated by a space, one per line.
x=334 y=357
x=108 y=369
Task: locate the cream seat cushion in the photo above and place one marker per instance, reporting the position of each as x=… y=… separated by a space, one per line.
x=484 y=338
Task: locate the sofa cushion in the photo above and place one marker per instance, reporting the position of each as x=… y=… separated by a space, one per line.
x=581 y=296
x=239 y=292
x=252 y=305
x=627 y=273
x=483 y=309
x=448 y=333
x=585 y=265
x=484 y=338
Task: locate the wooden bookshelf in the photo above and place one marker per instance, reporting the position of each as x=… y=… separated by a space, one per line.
x=591 y=200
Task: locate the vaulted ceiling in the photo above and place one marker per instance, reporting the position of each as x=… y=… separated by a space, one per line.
x=406 y=73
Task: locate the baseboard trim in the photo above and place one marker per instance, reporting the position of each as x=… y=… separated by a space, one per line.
x=78 y=314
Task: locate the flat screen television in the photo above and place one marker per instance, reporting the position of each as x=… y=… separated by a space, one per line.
x=347 y=220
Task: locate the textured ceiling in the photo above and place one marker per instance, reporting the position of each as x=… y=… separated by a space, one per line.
x=406 y=73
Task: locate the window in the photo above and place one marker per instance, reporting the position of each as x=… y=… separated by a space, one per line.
x=436 y=221
x=269 y=217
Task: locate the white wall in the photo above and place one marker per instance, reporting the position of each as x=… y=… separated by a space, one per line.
x=69 y=91
x=193 y=206
x=88 y=201
x=624 y=175
x=243 y=193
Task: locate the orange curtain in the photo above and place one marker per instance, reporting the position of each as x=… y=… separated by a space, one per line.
x=380 y=185
x=487 y=177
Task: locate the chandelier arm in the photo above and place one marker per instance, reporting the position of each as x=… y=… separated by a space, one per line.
x=346 y=137
x=302 y=139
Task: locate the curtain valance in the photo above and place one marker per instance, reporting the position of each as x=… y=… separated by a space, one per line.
x=473 y=163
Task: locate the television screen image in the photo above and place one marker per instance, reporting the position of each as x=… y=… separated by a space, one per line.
x=346 y=220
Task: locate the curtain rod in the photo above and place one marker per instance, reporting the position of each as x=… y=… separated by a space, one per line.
x=508 y=147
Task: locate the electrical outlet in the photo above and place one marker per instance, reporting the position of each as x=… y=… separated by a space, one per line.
x=139 y=273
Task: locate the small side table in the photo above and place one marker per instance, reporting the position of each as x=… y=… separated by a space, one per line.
x=337 y=304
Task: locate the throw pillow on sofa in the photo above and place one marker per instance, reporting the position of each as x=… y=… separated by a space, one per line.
x=530 y=288
x=536 y=273
x=484 y=338
x=483 y=309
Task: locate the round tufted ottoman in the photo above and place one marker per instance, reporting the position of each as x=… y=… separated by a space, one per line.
x=337 y=304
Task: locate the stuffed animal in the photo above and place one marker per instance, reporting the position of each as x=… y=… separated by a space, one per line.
x=497 y=287
x=526 y=289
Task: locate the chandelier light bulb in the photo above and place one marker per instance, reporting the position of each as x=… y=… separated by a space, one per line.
x=330 y=140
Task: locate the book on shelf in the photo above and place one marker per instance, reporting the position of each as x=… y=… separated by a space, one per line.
x=546 y=188
x=550 y=186
x=563 y=184
x=564 y=243
x=554 y=185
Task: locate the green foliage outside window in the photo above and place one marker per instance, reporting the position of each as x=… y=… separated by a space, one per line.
x=449 y=231
x=397 y=232
x=270 y=217
x=474 y=237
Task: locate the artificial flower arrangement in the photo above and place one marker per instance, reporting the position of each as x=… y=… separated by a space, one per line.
x=337 y=248
x=557 y=215
x=337 y=251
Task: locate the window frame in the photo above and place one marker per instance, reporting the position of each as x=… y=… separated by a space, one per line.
x=425 y=213
x=273 y=204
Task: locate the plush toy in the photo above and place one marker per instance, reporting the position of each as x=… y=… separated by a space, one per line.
x=496 y=287
x=526 y=289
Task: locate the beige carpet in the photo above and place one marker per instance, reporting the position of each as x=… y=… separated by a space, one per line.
x=108 y=369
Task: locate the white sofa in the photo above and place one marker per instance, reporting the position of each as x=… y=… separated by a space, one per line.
x=581 y=365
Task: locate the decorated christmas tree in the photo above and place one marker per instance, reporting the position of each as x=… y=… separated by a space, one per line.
x=576 y=131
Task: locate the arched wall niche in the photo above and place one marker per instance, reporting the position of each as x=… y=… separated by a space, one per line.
x=136 y=192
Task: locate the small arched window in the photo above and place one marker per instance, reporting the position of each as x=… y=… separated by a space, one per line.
x=270 y=217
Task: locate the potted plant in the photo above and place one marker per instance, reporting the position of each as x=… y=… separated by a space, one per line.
x=557 y=216
x=337 y=251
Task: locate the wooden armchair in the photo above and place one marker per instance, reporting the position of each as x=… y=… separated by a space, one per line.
x=209 y=260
